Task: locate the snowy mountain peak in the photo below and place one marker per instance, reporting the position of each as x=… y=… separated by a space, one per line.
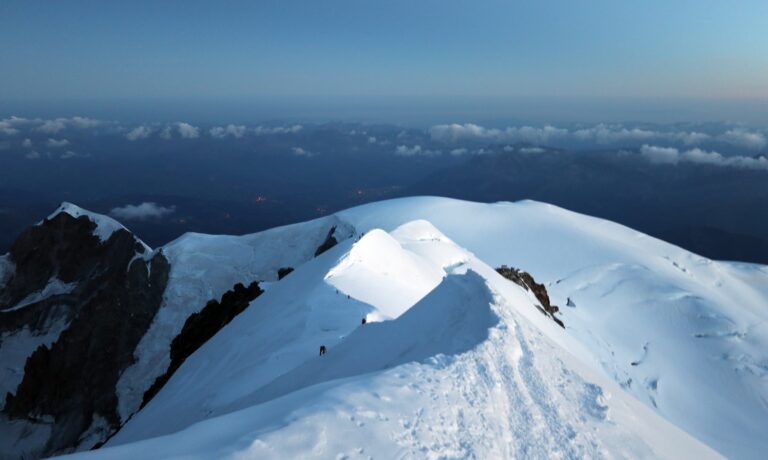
x=457 y=365
x=454 y=358
x=105 y=225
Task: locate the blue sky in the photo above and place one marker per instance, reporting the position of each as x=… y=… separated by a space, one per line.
x=339 y=50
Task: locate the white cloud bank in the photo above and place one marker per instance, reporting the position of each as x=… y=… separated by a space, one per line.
x=187 y=131
x=744 y=138
x=301 y=152
x=143 y=211
x=139 y=132
x=671 y=155
x=59 y=124
x=261 y=130
x=405 y=151
x=469 y=131
x=604 y=134
x=57 y=143
x=219 y=132
x=6 y=128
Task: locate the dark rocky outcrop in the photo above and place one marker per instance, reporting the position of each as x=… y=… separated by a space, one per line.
x=283 y=272
x=115 y=297
x=525 y=280
x=201 y=326
x=329 y=242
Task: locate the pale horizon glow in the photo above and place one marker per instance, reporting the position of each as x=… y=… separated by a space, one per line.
x=699 y=59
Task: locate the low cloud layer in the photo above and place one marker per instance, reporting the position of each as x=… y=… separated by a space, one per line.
x=260 y=130
x=601 y=134
x=57 y=143
x=744 y=138
x=301 y=152
x=187 y=131
x=673 y=156
x=469 y=131
x=236 y=131
x=409 y=151
x=143 y=211
x=139 y=132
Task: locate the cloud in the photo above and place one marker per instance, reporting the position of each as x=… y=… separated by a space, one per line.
x=457 y=152
x=609 y=134
x=33 y=155
x=84 y=122
x=139 y=132
x=70 y=154
x=9 y=126
x=6 y=127
x=532 y=150
x=602 y=134
x=301 y=152
x=469 y=131
x=27 y=143
x=260 y=130
x=744 y=138
x=184 y=130
x=52 y=126
x=143 y=211
x=54 y=143
x=671 y=155
x=187 y=131
x=691 y=138
x=404 y=150
x=236 y=131
x=660 y=155
x=371 y=140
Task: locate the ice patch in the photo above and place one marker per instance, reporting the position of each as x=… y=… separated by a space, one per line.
x=16 y=347
x=54 y=287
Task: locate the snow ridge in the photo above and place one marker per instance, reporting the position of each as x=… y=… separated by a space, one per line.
x=513 y=385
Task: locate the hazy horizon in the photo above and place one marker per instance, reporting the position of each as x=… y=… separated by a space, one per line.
x=414 y=63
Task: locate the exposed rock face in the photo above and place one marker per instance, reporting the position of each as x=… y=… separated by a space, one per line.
x=201 y=326
x=330 y=241
x=525 y=280
x=115 y=289
x=283 y=272
x=79 y=293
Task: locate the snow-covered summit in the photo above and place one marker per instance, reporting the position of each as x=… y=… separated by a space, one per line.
x=470 y=369
x=663 y=352
x=105 y=225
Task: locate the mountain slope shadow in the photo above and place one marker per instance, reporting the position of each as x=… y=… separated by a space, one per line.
x=452 y=319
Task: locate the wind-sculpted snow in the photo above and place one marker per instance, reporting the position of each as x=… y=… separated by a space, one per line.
x=704 y=323
x=671 y=344
x=450 y=320
x=378 y=266
x=479 y=382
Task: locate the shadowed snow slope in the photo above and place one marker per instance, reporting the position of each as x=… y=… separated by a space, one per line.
x=467 y=369
x=203 y=267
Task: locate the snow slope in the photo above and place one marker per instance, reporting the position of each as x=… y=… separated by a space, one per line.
x=459 y=374
x=684 y=335
x=203 y=267
x=703 y=323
